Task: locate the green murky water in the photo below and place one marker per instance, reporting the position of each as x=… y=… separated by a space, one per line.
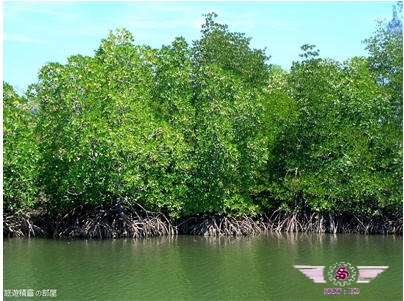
x=198 y=268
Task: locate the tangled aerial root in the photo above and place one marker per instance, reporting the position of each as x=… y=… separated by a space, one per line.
x=21 y=224
x=113 y=222
x=133 y=221
x=223 y=226
x=334 y=223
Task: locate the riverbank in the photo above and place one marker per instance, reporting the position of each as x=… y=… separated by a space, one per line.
x=136 y=222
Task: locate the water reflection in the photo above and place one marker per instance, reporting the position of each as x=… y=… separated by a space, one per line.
x=198 y=268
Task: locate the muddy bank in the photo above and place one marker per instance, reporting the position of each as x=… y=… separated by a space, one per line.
x=120 y=221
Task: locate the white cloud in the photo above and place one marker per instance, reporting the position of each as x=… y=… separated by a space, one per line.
x=62 y=11
x=197 y=23
x=20 y=38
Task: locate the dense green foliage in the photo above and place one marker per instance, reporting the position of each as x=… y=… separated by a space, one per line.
x=20 y=152
x=209 y=128
x=339 y=152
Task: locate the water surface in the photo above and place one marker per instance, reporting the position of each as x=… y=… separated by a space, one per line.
x=198 y=268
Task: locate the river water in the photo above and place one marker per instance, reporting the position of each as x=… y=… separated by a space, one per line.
x=198 y=268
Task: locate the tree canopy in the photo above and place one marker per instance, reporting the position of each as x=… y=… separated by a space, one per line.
x=210 y=127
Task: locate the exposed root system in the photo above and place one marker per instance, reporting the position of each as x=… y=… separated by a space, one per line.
x=115 y=222
x=124 y=221
x=334 y=223
x=21 y=224
x=222 y=225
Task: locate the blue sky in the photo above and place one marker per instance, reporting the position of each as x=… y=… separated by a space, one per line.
x=38 y=32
